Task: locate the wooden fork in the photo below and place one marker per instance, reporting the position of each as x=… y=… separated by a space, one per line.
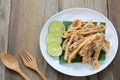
x=30 y=62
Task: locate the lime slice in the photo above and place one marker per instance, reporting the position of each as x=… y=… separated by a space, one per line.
x=55 y=34
x=54 y=49
x=57 y=26
x=53 y=37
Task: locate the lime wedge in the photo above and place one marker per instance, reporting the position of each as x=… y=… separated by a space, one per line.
x=57 y=26
x=54 y=49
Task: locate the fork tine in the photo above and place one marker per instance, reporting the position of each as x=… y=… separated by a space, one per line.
x=23 y=53
x=27 y=55
x=23 y=57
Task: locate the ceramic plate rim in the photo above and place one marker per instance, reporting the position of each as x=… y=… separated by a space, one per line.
x=57 y=14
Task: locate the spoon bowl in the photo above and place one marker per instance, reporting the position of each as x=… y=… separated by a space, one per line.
x=11 y=62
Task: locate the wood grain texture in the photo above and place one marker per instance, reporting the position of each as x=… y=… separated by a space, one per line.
x=65 y=4
x=4 y=27
x=100 y=6
x=51 y=8
x=26 y=22
x=114 y=12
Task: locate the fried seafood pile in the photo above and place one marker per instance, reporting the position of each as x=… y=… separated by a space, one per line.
x=85 y=39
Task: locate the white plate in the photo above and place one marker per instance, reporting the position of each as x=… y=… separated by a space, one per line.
x=79 y=69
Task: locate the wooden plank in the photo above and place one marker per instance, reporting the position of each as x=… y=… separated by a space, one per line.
x=106 y=74
x=51 y=8
x=114 y=11
x=65 y=4
x=100 y=6
x=93 y=77
x=4 y=27
x=66 y=77
x=26 y=22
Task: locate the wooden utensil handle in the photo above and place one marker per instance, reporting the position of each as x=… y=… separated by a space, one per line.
x=24 y=76
x=41 y=75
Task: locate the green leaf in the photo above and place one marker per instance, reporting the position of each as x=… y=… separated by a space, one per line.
x=102 y=55
x=67 y=24
x=63 y=61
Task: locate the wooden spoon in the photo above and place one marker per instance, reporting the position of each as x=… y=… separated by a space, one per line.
x=11 y=62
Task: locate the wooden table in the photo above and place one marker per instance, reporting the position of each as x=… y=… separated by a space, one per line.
x=21 y=22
